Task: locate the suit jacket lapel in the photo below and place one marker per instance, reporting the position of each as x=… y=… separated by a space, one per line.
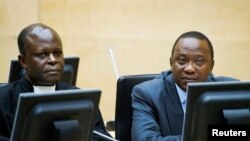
x=174 y=109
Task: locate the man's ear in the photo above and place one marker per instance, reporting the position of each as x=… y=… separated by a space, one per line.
x=21 y=59
x=212 y=65
x=171 y=62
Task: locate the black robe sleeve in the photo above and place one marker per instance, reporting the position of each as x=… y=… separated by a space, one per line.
x=100 y=127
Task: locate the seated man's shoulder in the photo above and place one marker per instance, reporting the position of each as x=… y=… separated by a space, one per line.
x=223 y=78
x=64 y=85
x=152 y=82
x=6 y=93
x=7 y=87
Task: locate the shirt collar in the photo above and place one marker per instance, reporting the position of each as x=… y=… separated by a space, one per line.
x=44 y=89
x=182 y=94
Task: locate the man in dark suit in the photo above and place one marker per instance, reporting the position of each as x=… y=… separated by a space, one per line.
x=41 y=55
x=159 y=104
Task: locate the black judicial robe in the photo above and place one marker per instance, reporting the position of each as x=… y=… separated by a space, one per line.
x=8 y=103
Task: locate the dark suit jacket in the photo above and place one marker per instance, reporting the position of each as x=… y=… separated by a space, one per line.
x=157 y=110
x=8 y=103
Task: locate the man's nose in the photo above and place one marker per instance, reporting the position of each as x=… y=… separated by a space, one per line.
x=190 y=67
x=52 y=57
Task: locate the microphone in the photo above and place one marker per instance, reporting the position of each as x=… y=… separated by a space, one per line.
x=113 y=62
x=104 y=136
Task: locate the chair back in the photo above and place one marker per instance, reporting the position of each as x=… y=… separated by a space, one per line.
x=123 y=111
x=69 y=75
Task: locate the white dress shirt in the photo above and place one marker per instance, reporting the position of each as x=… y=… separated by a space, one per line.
x=44 y=89
x=183 y=97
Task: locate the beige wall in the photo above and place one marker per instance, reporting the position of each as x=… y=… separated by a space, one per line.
x=140 y=32
x=14 y=15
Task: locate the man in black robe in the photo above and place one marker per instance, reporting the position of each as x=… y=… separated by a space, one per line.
x=41 y=55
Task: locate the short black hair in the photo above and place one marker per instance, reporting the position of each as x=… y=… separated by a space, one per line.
x=21 y=41
x=197 y=35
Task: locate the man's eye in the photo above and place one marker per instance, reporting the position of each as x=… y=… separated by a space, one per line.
x=42 y=54
x=58 y=53
x=182 y=60
x=199 y=61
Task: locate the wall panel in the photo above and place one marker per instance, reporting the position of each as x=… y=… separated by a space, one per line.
x=14 y=15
